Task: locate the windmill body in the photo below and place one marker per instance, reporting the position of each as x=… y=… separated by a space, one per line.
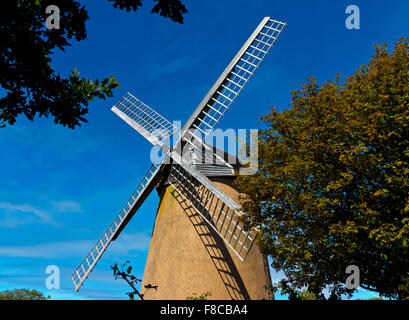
x=187 y=256
x=198 y=243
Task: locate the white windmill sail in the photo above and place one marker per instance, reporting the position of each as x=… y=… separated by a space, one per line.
x=232 y=81
x=228 y=86
x=144 y=188
x=145 y=120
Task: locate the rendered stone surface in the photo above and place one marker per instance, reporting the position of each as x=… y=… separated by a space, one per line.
x=186 y=256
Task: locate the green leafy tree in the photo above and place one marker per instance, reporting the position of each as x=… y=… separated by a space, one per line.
x=28 y=83
x=22 y=294
x=332 y=187
x=306 y=295
x=203 y=296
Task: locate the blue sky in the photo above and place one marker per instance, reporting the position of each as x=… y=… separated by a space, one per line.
x=61 y=188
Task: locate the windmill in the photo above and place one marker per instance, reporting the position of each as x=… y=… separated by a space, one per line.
x=195 y=176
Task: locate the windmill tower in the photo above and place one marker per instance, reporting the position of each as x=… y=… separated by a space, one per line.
x=198 y=243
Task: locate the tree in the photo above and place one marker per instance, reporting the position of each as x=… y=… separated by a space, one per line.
x=332 y=187
x=203 y=296
x=126 y=275
x=22 y=294
x=173 y=9
x=28 y=83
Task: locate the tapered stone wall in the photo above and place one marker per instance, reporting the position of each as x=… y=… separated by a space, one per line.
x=186 y=256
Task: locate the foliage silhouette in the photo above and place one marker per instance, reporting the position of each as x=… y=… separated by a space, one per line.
x=203 y=296
x=29 y=84
x=22 y=294
x=130 y=279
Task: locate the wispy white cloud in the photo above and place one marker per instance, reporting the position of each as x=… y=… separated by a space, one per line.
x=126 y=245
x=67 y=206
x=14 y=215
x=53 y=250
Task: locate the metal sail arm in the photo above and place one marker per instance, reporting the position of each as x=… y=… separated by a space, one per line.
x=147 y=184
x=216 y=208
x=226 y=89
x=145 y=120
